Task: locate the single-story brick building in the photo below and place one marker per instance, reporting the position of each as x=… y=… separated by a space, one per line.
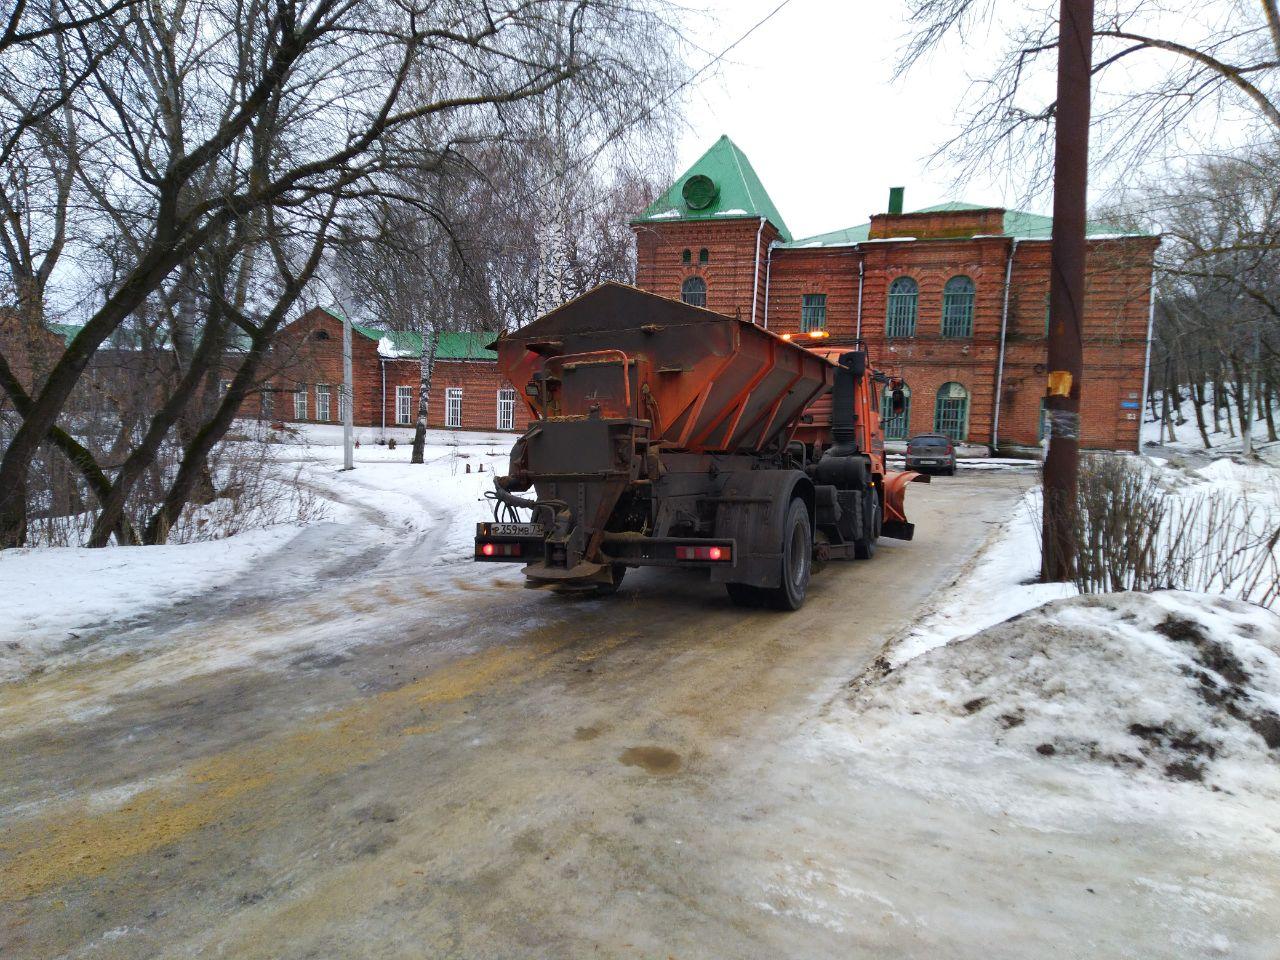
x=467 y=391
x=953 y=298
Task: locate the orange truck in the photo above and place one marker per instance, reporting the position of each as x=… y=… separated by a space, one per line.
x=668 y=435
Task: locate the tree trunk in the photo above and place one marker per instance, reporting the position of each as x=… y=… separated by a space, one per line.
x=76 y=454
x=1217 y=401
x=426 y=369
x=160 y=258
x=197 y=404
x=1166 y=414
x=1270 y=395
x=196 y=452
x=145 y=453
x=1244 y=409
x=1197 y=394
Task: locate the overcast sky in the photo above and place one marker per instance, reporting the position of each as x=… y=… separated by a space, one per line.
x=810 y=98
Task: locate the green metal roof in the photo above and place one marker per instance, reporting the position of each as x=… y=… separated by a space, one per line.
x=407 y=344
x=455 y=345
x=67 y=331
x=1017 y=223
x=734 y=191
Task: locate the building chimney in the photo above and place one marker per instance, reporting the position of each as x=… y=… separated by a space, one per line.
x=895 y=199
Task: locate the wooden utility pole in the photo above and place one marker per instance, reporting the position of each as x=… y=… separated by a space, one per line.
x=1066 y=287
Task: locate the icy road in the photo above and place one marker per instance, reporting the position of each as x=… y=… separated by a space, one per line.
x=390 y=757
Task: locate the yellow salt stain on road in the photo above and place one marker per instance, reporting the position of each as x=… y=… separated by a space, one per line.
x=51 y=851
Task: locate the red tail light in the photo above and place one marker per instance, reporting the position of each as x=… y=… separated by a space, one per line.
x=498 y=549
x=714 y=554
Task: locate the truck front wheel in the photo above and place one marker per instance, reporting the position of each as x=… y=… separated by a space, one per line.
x=865 y=548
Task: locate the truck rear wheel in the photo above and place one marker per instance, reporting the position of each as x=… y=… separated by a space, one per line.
x=797 y=559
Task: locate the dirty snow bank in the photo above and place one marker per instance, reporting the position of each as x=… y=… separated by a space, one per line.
x=1002 y=580
x=49 y=595
x=1123 y=705
x=1000 y=583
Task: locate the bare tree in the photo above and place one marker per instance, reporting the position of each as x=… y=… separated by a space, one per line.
x=204 y=114
x=1161 y=76
x=1217 y=333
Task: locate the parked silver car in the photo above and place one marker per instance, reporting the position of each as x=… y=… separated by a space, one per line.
x=931 y=453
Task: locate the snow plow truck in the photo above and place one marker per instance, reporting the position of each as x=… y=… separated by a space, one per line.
x=668 y=435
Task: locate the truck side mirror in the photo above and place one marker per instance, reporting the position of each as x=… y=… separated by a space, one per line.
x=898 y=402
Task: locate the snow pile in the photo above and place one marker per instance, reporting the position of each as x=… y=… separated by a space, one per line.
x=1115 y=697
x=388 y=349
x=999 y=583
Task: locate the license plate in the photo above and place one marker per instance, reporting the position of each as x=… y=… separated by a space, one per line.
x=516 y=530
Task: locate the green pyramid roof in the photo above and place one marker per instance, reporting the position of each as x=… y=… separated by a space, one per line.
x=738 y=192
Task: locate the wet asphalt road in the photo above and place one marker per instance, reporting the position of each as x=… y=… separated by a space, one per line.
x=410 y=761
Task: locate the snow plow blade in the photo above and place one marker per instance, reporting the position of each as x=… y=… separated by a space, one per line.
x=895 y=523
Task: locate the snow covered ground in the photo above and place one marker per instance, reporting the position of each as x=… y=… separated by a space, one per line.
x=1139 y=731
x=64 y=602
x=1102 y=771
x=1222 y=443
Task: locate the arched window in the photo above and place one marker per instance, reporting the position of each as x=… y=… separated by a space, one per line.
x=951 y=411
x=703 y=255
x=895 y=428
x=957 y=308
x=686 y=256
x=903 y=294
x=694 y=292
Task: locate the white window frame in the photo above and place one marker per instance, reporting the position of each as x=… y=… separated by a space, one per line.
x=506 y=408
x=324 y=405
x=300 y=402
x=404 y=404
x=453 y=407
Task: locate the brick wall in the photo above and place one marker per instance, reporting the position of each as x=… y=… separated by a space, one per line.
x=1119 y=278
x=938 y=225
x=309 y=351
x=730 y=270
x=479 y=381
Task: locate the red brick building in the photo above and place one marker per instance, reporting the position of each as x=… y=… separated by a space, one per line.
x=952 y=298
x=467 y=392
